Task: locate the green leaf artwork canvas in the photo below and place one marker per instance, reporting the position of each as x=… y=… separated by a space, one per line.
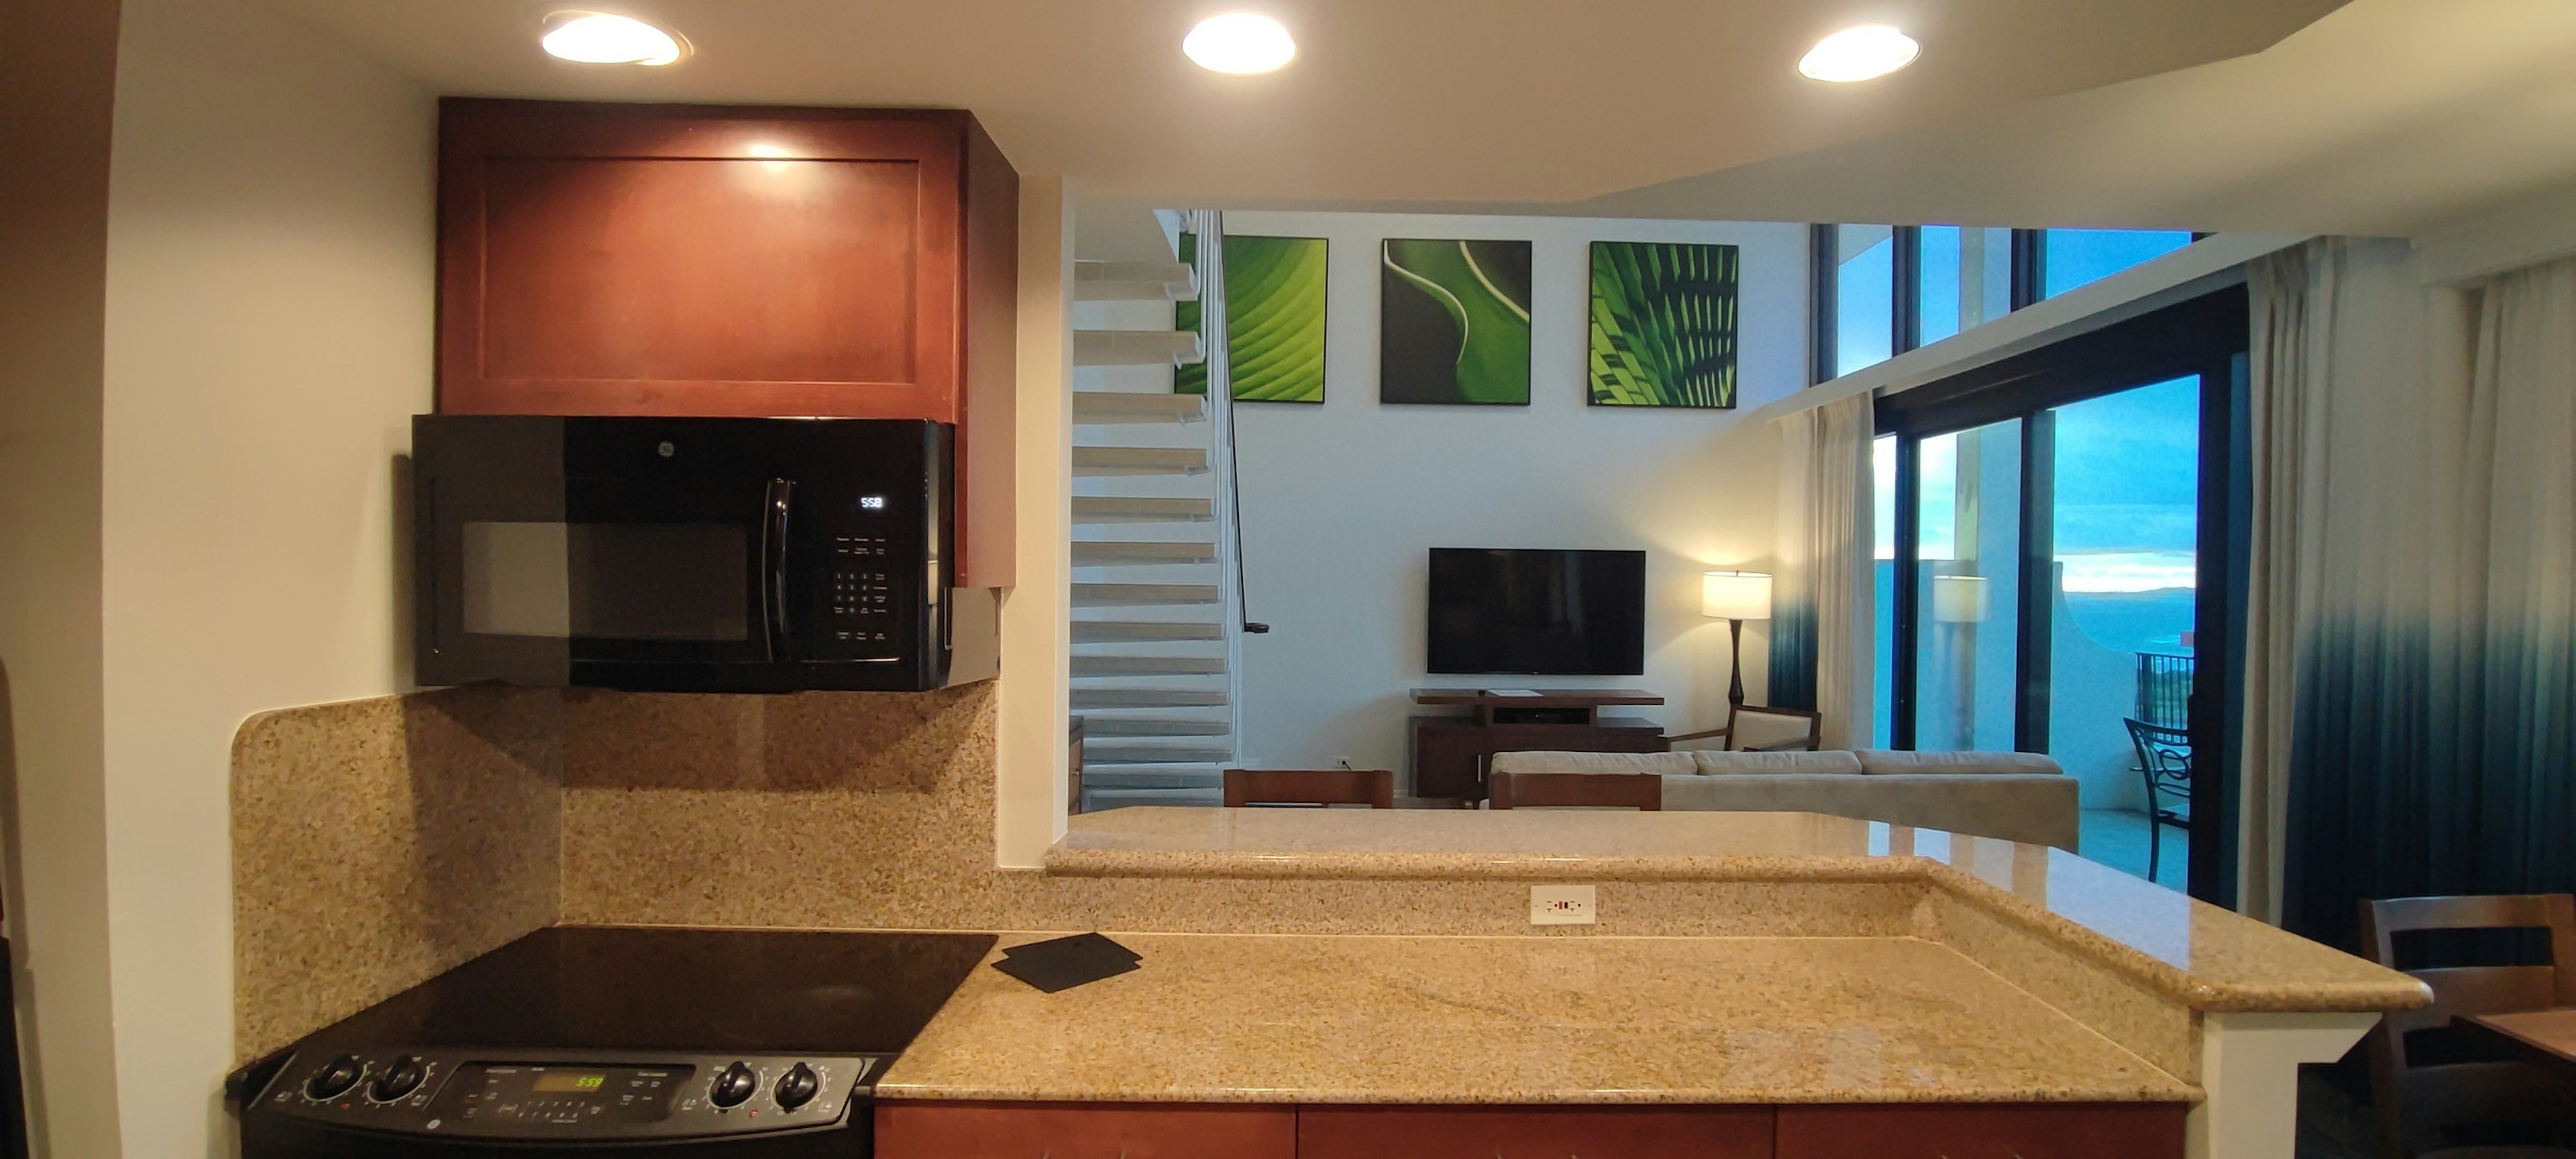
x=1663 y=324
x=1454 y=322
x=1275 y=298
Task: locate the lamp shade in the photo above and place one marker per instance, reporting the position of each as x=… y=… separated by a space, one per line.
x=1735 y=595
x=1959 y=599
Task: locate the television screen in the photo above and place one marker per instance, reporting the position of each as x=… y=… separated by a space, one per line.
x=1546 y=613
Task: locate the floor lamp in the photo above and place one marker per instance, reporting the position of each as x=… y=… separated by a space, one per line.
x=1735 y=596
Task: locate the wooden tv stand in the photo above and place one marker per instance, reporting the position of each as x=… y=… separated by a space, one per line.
x=1449 y=752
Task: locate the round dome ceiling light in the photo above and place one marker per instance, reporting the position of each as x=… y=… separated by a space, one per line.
x=1857 y=54
x=1240 y=43
x=606 y=38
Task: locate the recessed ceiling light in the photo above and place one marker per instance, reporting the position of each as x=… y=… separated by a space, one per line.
x=605 y=38
x=1855 y=54
x=1240 y=43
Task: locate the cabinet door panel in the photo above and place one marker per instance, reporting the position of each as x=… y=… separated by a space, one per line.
x=699 y=270
x=638 y=259
x=1445 y=760
x=1083 y=1131
x=2083 y=1131
x=1570 y=1133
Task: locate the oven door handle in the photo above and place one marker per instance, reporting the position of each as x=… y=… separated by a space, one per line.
x=774 y=507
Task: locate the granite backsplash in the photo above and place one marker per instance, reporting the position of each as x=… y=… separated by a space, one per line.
x=378 y=842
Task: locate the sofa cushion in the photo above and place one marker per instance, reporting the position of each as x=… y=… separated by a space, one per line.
x=1667 y=764
x=1882 y=761
x=1720 y=763
x=2036 y=810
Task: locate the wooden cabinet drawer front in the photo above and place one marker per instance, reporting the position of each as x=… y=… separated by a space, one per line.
x=2076 y=1131
x=1573 y=1133
x=1083 y=1131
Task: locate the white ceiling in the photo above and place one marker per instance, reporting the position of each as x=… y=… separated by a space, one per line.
x=2385 y=117
x=1482 y=101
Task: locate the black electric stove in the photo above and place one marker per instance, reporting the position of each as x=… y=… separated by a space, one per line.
x=679 y=1043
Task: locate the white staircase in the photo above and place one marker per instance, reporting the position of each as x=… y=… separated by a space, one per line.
x=1153 y=661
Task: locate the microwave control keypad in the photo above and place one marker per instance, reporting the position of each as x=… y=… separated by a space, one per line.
x=862 y=588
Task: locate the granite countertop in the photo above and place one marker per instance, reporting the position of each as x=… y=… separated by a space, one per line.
x=1369 y=1019
x=2189 y=951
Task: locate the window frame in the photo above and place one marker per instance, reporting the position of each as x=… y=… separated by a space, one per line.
x=2029 y=259
x=2205 y=336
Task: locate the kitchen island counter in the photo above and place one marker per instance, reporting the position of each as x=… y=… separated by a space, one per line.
x=1603 y=1020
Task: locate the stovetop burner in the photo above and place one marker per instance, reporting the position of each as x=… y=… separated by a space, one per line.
x=627 y=987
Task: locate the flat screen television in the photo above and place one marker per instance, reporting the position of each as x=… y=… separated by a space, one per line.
x=1537 y=612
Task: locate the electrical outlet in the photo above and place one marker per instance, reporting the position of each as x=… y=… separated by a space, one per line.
x=1562 y=905
x=1342 y=762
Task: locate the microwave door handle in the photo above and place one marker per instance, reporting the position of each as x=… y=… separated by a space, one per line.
x=773 y=564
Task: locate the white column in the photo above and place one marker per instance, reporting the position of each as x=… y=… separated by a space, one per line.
x=2249 y=1067
x=1035 y=704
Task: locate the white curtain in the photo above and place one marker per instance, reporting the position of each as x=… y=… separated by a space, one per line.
x=2408 y=648
x=1827 y=529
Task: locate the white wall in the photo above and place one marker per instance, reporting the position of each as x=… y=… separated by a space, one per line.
x=1342 y=501
x=269 y=311
x=55 y=94
x=1031 y=761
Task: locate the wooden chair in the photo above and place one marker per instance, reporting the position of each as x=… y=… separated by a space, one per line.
x=2164 y=759
x=1374 y=788
x=1644 y=791
x=2417 y=1101
x=1752 y=728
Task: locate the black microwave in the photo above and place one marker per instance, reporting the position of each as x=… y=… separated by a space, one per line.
x=690 y=554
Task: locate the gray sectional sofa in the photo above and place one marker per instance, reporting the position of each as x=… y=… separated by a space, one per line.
x=2014 y=796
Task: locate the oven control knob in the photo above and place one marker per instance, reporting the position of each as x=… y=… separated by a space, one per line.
x=335 y=1078
x=733 y=1086
x=402 y=1078
x=797 y=1087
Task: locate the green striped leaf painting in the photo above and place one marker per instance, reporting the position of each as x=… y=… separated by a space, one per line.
x=1454 y=322
x=1663 y=324
x=1274 y=292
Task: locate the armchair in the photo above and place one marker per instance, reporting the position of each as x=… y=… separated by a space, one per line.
x=1756 y=729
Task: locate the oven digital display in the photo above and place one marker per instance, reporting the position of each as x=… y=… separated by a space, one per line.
x=566 y=1080
x=506 y=1097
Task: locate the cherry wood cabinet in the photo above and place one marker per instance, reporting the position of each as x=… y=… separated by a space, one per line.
x=964 y=1130
x=717 y=260
x=1968 y=1131
x=1084 y=1131
x=1480 y=1133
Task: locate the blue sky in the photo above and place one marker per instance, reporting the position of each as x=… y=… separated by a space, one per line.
x=2127 y=464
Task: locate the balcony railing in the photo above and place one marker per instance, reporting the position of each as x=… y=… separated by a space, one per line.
x=2164 y=689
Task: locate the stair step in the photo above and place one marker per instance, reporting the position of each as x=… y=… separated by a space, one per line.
x=1138 y=553
x=1201 y=775
x=1119 y=753
x=1097 y=509
x=1148 y=666
x=1098 y=698
x=1136 y=348
x=1101 y=462
x=1104 y=407
x=1142 y=632
x=1142 y=595
x=1098 y=726
x=1135 y=282
x=1103 y=799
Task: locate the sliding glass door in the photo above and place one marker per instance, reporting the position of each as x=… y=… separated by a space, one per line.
x=2062 y=522
x=2122 y=510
